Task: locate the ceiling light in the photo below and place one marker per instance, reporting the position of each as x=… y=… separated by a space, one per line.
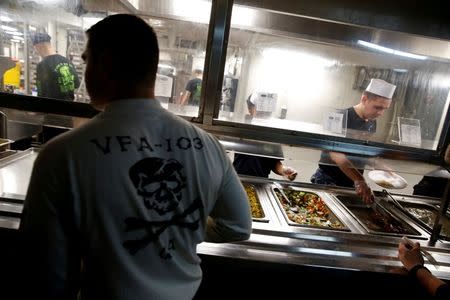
x=391 y=51
x=5 y=19
x=15 y=33
x=8 y=28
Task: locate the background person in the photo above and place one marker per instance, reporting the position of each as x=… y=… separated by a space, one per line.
x=260 y=166
x=115 y=208
x=193 y=89
x=56 y=76
x=336 y=168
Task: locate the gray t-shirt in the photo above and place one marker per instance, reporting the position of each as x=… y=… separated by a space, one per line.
x=130 y=193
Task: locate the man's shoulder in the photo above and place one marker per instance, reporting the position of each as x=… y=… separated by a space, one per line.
x=194 y=81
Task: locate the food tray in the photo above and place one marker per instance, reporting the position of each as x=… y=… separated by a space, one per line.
x=256 y=208
x=425 y=214
x=308 y=210
x=374 y=222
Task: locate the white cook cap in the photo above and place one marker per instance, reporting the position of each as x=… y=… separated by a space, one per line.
x=381 y=88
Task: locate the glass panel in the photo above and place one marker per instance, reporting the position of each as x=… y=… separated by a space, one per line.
x=294 y=73
x=59 y=26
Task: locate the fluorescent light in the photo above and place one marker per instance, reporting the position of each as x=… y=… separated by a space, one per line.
x=400 y=70
x=32 y=28
x=242 y=16
x=195 y=10
x=5 y=19
x=165 y=66
x=391 y=51
x=15 y=33
x=8 y=28
x=15 y=40
x=411 y=55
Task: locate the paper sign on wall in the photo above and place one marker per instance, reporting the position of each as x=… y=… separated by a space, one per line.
x=333 y=121
x=163 y=86
x=409 y=131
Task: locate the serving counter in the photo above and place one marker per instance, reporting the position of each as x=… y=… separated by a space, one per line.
x=354 y=237
x=296 y=225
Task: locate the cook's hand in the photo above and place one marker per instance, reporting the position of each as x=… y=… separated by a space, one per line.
x=289 y=173
x=364 y=191
x=410 y=256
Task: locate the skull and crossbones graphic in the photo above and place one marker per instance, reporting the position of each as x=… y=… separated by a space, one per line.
x=160 y=183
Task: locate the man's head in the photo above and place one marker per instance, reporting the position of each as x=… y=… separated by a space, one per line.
x=41 y=42
x=40 y=37
x=376 y=99
x=121 y=57
x=198 y=73
x=251 y=106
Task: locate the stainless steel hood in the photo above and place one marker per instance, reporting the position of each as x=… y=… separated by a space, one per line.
x=334 y=22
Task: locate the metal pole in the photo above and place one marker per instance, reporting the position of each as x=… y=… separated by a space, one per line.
x=442 y=211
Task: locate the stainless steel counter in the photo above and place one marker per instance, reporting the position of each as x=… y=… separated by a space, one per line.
x=356 y=248
x=275 y=238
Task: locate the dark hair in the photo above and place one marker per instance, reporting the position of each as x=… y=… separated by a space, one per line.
x=198 y=71
x=132 y=45
x=40 y=37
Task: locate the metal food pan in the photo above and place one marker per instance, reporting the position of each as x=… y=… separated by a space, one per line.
x=425 y=215
x=308 y=209
x=373 y=222
x=258 y=213
x=15 y=172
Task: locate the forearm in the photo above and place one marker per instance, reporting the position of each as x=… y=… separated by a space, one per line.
x=428 y=281
x=218 y=232
x=279 y=168
x=346 y=166
x=184 y=97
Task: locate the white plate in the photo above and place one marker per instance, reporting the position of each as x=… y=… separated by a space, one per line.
x=388 y=180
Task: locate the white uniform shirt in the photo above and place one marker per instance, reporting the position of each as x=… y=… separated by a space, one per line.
x=130 y=192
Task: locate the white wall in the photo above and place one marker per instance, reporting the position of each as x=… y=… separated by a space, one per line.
x=309 y=78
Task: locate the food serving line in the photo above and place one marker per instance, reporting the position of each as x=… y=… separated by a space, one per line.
x=330 y=227
x=297 y=223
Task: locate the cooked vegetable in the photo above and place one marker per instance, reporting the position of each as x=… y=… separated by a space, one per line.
x=308 y=209
x=255 y=205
